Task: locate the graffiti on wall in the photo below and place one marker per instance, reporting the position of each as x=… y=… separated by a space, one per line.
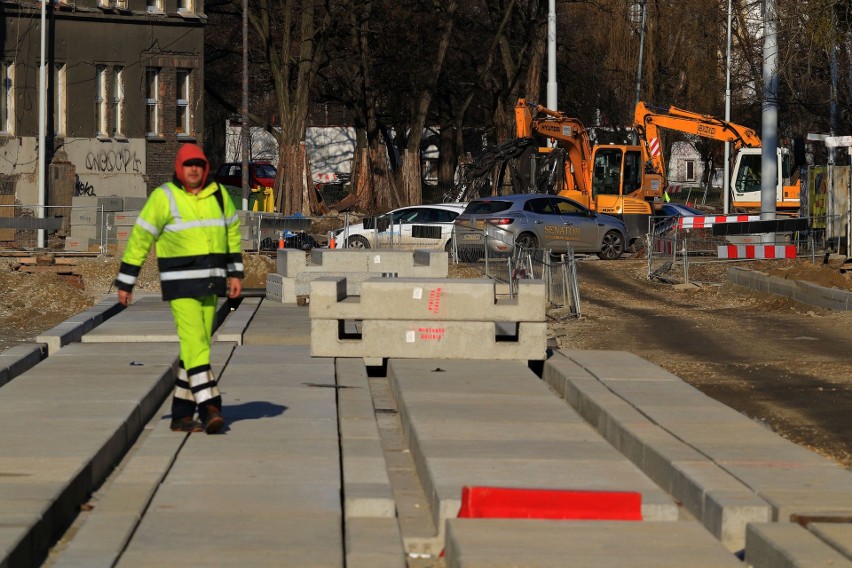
x=109 y=161
x=82 y=187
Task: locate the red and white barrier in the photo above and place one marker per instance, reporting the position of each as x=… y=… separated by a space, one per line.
x=757 y=251
x=703 y=221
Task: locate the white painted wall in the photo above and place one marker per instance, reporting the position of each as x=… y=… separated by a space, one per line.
x=330 y=149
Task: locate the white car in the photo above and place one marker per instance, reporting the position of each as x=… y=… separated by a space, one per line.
x=415 y=227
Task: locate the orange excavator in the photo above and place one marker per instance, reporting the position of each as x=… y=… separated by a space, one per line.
x=746 y=173
x=608 y=178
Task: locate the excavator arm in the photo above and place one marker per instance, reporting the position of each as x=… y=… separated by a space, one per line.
x=567 y=131
x=647 y=120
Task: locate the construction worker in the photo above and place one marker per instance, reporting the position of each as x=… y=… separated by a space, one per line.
x=197 y=232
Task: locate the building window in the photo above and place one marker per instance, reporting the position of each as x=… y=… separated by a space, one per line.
x=152 y=100
x=154 y=5
x=117 y=101
x=182 y=104
x=185 y=6
x=101 y=100
x=60 y=83
x=690 y=170
x=7 y=110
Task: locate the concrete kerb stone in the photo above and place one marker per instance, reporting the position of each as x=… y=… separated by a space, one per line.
x=237 y=321
x=533 y=543
x=807 y=292
x=19 y=359
x=789 y=545
x=75 y=327
x=366 y=485
x=723 y=503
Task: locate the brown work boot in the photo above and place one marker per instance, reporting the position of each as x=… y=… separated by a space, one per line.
x=214 y=421
x=186 y=424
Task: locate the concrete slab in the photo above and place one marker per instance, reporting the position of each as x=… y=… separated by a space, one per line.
x=498 y=543
x=371 y=543
x=278 y=324
x=789 y=545
x=837 y=535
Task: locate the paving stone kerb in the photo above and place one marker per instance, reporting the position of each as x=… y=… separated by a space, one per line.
x=20 y=358
x=807 y=292
x=66 y=422
x=293 y=274
x=726 y=469
x=531 y=543
x=494 y=423
x=428 y=318
x=75 y=327
x=790 y=545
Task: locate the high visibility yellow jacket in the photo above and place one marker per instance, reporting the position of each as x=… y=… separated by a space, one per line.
x=198 y=244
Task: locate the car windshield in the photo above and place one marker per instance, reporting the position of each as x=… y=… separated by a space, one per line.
x=265 y=171
x=486 y=207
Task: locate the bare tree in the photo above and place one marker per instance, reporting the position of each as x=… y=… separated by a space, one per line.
x=293 y=35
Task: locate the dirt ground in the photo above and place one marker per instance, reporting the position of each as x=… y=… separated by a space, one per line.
x=783 y=363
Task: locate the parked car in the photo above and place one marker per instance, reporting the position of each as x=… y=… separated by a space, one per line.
x=420 y=226
x=678 y=210
x=261 y=174
x=535 y=221
x=665 y=219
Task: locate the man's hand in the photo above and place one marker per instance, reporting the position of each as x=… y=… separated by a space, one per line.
x=125 y=297
x=235 y=287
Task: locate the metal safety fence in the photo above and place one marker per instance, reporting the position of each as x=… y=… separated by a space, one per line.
x=491 y=252
x=73 y=230
x=685 y=249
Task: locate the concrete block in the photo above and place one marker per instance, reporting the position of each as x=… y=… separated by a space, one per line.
x=789 y=545
x=428 y=340
x=374 y=542
x=280 y=288
x=427 y=299
x=123 y=218
x=728 y=513
x=134 y=203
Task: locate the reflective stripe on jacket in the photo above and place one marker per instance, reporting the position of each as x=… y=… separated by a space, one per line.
x=198 y=245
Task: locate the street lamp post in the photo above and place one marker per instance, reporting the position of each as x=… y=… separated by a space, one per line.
x=726 y=175
x=635 y=134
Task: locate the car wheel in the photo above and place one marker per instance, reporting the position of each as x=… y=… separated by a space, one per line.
x=358 y=242
x=527 y=241
x=612 y=246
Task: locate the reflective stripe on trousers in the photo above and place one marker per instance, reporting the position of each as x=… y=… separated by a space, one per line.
x=194 y=323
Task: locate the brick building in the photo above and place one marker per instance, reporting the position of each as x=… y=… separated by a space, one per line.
x=124 y=90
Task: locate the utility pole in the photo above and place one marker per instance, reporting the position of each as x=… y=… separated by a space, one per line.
x=551 y=55
x=635 y=134
x=726 y=175
x=769 y=154
x=42 y=124
x=245 y=121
